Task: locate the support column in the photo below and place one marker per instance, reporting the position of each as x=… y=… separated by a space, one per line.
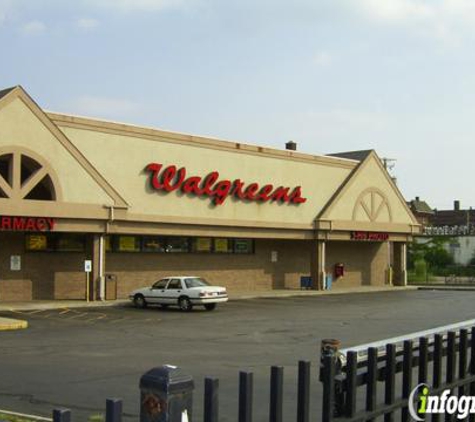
x=400 y=263
x=97 y=287
x=317 y=264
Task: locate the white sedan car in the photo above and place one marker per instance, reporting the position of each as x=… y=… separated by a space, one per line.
x=185 y=292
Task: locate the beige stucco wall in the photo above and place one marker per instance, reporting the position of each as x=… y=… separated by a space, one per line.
x=122 y=159
x=20 y=128
x=371 y=177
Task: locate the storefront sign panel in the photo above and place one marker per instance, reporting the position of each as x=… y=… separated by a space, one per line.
x=27 y=224
x=370 y=236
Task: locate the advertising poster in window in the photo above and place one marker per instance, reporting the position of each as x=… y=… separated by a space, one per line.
x=128 y=244
x=203 y=244
x=36 y=242
x=242 y=246
x=222 y=245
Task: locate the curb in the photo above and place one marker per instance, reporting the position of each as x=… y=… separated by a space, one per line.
x=48 y=305
x=447 y=288
x=7 y=324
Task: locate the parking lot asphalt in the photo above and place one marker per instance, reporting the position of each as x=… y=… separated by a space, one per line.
x=78 y=357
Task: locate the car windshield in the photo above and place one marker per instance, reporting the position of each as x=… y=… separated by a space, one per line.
x=195 y=282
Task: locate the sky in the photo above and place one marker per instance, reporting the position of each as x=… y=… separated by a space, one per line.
x=396 y=76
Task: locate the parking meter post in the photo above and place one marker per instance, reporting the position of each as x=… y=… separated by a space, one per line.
x=330 y=375
x=328 y=347
x=166 y=395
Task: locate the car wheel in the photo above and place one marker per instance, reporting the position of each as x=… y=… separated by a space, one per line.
x=185 y=304
x=210 y=306
x=139 y=301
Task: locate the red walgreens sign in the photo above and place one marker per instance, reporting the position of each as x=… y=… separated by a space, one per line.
x=170 y=179
x=375 y=236
x=27 y=224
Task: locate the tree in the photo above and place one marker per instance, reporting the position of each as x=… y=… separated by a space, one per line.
x=432 y=251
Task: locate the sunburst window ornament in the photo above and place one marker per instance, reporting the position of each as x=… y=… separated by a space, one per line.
x=23 y=177
x=372 y=205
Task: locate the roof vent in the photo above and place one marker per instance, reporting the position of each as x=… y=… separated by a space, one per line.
x=291 y=145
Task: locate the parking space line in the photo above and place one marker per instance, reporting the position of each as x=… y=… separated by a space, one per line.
x=119 y=320
x=78 y=315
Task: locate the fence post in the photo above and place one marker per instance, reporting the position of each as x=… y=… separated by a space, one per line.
x=245 y=396
x=276 y=393
x=372 y=380
x=61 y=415
x=407 y=376
x=166 y=393
x=390 y=380
x=351 y=372
x=211 y=404
x=328 y=378
x=113 y=410
x=463 y=345
x=303 y=393
x=472 y=369
x=437 y=368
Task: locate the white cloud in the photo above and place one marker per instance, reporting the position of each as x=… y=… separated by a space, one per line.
x=33 y=28
x=445 y=20
x=140 y=5
x=114 y=108
x=87 y=23
x=398 y=10
x=323 y=59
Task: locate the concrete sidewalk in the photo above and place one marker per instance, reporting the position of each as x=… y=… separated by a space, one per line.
x=60 y=304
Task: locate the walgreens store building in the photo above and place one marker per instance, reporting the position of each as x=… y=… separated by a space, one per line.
x=95 y=208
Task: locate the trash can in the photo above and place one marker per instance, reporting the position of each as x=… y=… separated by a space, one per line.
x=328 y=281
x=305 y=282
x=111 y=286
x=166 y=395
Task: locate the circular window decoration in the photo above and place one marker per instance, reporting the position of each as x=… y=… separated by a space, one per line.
x=372 y=205
x=25 y=175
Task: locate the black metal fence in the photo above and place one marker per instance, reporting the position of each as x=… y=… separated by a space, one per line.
x=245 y=402
x=376 y=383
x=373 y=382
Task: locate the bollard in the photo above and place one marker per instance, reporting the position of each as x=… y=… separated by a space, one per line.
x=166 y=395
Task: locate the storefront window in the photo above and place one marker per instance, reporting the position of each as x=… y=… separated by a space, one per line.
x=223 y=245
x=202 y=244
x=68 y=242
x=36 y=242
x=243 y=246
x=128 y=244
x=107 y=243
x=153 y=244
x=177 y=244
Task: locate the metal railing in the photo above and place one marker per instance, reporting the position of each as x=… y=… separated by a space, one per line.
x=375 y=381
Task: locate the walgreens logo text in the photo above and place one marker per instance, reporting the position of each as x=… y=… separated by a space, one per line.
x=171 y=179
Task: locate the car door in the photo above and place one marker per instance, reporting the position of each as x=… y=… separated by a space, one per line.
x=157 y=291
x=173 y=291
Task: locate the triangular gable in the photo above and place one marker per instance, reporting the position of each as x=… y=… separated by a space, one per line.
x=367 y=200
x=87 y=174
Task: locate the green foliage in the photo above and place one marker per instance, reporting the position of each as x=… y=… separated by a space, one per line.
x=432 y=252
x=14 y=418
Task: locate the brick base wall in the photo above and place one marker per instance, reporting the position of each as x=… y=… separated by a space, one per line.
x=365 y=263
x=60 y=275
